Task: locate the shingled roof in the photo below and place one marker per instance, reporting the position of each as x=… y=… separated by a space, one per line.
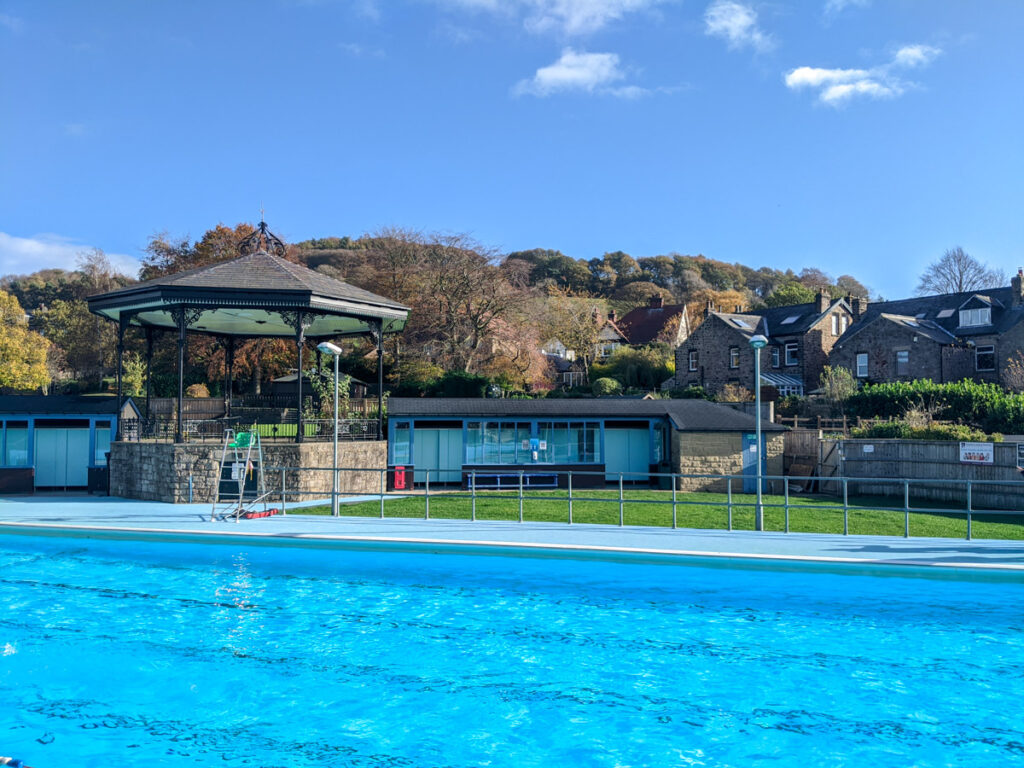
x=690 y=415
x=245 y=297
x=643 y=325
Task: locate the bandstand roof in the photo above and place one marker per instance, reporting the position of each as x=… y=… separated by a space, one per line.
x=255 y=295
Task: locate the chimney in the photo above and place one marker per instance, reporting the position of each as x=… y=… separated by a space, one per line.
x=656 y=302
x=709 y=308
x=739 y=309
x=822 y=300
x=611 y=315
x=859 y=306
x=1017 y=288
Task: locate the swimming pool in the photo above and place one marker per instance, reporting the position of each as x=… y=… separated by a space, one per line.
x=153 y=654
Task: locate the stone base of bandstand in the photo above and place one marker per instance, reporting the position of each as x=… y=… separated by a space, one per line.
x=182 y=473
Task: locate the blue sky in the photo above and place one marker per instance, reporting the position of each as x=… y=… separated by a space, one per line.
x=857 y=136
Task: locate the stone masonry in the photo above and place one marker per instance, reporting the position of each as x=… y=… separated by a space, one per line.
x=718 y=453
x=165 y=471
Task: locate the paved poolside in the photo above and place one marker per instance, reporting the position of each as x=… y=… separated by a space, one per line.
x=102 y=516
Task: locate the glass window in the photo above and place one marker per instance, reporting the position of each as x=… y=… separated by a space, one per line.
x=775 y=357
x=734 y=357
x=862 y=365
x=16 y=454
x=792 y=356
x=902 y=363
x=979 y=316
x=835 y=325
x=400 y=452
x=492 y=435
x=693 y=360
x=102 y=446
x=985 y=358
x=570 y=443
x=844 y=323
x=474 y=443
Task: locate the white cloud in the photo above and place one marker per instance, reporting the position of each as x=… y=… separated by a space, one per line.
x=834 y=7
x=13 y=23
x=838 y=86
x=574 y=71
x=358 y=51
x=24 y=255
x=736 y=23
x=569 y=17
x=912 y=56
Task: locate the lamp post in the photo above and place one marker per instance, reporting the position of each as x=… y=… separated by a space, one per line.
x=335 y=351
x=758 y=342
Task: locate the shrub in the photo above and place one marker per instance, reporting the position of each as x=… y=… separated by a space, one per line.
x=694 y=392
x=606 y=386
x=197 y=390
x=734 y=393
x=460 y=384
x=901 y=430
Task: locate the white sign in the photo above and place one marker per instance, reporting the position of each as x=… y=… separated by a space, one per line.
x=1020 y=455
x=543 y=445
x=868 y=448
x=977 y=453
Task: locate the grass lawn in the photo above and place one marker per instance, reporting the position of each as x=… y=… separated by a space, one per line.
x=809 y=514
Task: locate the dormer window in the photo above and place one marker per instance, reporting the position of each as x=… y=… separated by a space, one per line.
x=974 y=317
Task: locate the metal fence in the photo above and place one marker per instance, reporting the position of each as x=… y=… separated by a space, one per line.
x=163 y=430
x=785 y=499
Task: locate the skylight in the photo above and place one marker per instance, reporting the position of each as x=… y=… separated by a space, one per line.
x=920 y=315
x=945 y=313
x=791 y=319
x=741 y=323
x=912 y=323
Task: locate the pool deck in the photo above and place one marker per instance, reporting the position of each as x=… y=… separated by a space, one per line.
x=123 y=518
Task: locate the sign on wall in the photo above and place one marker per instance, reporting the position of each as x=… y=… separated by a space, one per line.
x=1020 y=455
x=977 y=453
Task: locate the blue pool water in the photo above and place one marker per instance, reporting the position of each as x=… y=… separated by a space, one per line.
x=146 y=654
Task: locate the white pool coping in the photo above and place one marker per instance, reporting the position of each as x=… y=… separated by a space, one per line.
x=122 y=518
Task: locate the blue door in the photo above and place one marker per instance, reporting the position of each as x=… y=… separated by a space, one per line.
x=750 y=462
x=627 y=451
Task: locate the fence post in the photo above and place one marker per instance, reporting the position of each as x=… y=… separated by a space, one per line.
x=383 y=483
x=620 y=500
x=520 y=496
x=906 y=509
x=728 y=498
x=570 y=497
x=472 y=494
x=284 y=511
x=846 y=507
x=969 y=506
x=673 y=501
x=426 y=496
x=785 y=485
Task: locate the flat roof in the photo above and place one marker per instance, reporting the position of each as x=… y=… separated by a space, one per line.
x=689 y=415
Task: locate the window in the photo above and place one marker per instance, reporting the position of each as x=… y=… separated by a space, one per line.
x=792 y=356
x=791 y=319
x=16 y=453
x=741 y=323
x=835 y=325
x=844 y=323
x=693 y=360
x=971 y=317
x=985 y=358
x=498 y=442
x=775 y=357
x=785 y=390
x=945 y=313
x=102 y=445
x=862 y=365
x=569 y=442
x=400 y=453
x=734 y=357
x=902 y=362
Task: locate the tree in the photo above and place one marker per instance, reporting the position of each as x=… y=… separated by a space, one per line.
x=637 y=294
x=837 y=384
x=22 y=352
x=87 y=340
x=958 y=272
x=1013 y=373
x=848 y=285
x=789 y=294
x=815 y=279
x=577 y=323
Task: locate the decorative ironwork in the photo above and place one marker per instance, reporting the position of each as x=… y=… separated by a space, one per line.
x=186 y=315
x=298 y=320
x=261 y=240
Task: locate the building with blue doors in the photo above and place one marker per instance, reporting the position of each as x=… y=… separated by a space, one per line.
x=600 y=440
x=57 y=442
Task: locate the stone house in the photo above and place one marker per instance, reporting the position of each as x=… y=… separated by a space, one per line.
x=947 y=337
x=800 y=339
x=657 y=321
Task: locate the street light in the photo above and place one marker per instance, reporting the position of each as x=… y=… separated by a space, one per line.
x=758 y=342
x=335 y=351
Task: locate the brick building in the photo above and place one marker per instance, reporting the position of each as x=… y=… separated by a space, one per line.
x=947 y=337
x=800 y=339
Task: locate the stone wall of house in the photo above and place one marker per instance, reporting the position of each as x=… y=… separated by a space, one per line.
x=881 y=341
x=718 y=453
x=178 y=473
x=712 y=341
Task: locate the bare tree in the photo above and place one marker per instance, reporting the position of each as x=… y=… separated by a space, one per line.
x=957 y=272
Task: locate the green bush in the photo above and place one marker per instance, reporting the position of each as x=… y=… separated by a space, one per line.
x=694 y=392
x=901 y=430
x=606 y=386
x=982 y=405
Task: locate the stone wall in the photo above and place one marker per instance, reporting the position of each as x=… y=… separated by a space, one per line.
x=165 y=471
x=881 y=340
x=718 y=453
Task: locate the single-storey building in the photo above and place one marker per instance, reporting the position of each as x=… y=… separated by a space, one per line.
x=493 y=440
x=57 y=442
